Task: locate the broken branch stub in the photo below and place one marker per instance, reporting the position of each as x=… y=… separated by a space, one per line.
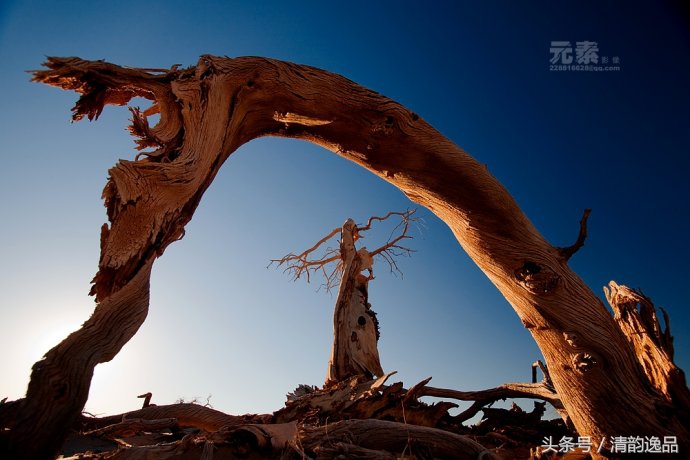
x=637 y=317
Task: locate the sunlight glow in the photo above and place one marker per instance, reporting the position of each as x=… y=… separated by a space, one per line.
x=47 y=334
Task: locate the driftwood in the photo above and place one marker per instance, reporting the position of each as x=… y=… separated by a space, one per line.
x=207 y=112
x=186 y=415
x=357 y=399
x=355 y=418
x=350 y=418
x=506 y=391
x=128 y=427
x=394 y=439
x=496 y=418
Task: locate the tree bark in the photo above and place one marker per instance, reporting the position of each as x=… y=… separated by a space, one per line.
x=209 y=110
x=186 y=414
x=391 y=438
x=129 y=427
x=39 y=424
x=355 y=326
x=355 y=350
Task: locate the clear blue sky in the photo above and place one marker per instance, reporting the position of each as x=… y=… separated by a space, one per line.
x=222 y=324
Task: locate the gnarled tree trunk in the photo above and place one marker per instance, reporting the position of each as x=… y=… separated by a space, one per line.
x=355 y=326
x=355 y=351
x=207 y=112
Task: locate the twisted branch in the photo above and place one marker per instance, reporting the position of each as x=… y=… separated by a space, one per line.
x=303 y=265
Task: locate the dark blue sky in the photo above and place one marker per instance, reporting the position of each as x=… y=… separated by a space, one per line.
x=220 y=323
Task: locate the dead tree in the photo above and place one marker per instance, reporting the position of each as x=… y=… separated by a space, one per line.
x=355 y=326
x=208 y=111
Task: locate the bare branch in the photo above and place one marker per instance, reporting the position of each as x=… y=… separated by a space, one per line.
x=483 y=397
x=568 y=252
x=547 y=376
x=303 y=256
x=404 y=215
x=303 y=265
x=300 y=264
x=392 y=249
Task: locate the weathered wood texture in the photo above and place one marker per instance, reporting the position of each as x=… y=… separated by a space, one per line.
x=189 y=429
x=355 y=325
x=38 y=424
x=392 y=438
x=355 y=351
x=207 y=112
x=186 y=415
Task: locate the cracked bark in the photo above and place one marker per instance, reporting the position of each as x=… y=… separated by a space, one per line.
x=333 y=441
x=355 y=351
x=207 y=112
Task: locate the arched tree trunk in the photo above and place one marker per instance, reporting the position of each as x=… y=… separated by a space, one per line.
x=208 y=111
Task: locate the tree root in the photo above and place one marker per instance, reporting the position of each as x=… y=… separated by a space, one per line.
x=355 y=418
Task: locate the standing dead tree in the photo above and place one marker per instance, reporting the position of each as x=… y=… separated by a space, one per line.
x=207 y=111
x=355 y=326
